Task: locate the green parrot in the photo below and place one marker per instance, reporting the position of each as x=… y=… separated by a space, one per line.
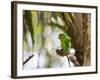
x=65 y=41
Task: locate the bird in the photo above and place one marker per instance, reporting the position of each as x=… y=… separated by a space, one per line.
x=66 y=49
x=65 y=41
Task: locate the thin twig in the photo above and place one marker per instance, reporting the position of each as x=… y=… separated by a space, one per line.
x=27 y=59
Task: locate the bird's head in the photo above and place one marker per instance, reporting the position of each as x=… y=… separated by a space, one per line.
x=61 y=36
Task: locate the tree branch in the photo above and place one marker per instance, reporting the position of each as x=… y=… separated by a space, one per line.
x=72 y=58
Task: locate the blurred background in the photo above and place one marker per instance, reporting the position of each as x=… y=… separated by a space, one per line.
x=40 y=38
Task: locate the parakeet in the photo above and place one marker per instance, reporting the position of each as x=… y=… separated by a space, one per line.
x=65 y=41
x=67 y=49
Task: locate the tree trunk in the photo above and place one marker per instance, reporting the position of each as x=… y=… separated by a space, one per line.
x=81 y=38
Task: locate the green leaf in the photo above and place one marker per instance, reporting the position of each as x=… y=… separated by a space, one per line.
x=28 y=20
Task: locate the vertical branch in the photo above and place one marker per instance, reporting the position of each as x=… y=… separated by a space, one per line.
x=41 y=22
x=86 y=40
x=78 y=37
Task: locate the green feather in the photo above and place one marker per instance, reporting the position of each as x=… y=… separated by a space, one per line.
x=65 y=41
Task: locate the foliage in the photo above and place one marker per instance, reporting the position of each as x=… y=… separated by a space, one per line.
x=28 y=27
